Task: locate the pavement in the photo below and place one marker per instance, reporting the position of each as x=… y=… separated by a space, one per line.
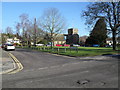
x=6 y=63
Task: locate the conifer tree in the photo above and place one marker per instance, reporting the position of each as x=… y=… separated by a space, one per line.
x=99 y=33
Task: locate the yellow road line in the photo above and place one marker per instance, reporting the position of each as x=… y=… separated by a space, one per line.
x=19 y=65
x=7 y=71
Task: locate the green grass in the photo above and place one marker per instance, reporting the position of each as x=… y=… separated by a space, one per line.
x=81 y=52
x=90 y=51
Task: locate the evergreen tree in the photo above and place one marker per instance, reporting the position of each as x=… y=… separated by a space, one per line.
x=99 y=33
x=108 y=10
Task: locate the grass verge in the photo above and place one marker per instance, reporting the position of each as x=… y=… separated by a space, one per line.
x=77 y=52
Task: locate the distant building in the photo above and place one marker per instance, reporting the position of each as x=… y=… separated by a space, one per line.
x=72 y=37
x=72 y=31
x=9 y=40
x=59 y=39
x=16 y=40
x=13 y=40
x=118 y=39
x=109 y=41
x=83 y=39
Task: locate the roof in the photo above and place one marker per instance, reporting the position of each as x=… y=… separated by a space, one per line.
x=59 y=37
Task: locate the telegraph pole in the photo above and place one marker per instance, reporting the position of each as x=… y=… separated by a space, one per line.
x=35 y=27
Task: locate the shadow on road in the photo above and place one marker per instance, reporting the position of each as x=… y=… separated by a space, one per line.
x=111 y=55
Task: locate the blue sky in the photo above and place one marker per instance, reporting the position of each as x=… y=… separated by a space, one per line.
x=70 y=10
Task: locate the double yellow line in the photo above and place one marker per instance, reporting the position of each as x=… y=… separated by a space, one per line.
x=19 y=65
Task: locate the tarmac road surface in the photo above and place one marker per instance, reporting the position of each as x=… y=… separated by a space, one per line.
x=43 y=70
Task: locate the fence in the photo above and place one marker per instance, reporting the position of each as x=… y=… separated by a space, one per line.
x=54 y=49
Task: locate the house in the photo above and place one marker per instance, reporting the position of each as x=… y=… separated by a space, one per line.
x=16 y=40
x=83 y=39
x=59 y=39
x=72 y=37
x=118 y=39
x=109 y=41
x=9 y=40
x=13 y=40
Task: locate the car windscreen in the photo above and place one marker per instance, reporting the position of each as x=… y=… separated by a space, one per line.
x=9 y=45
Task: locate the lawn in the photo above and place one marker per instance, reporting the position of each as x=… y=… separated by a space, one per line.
x=80 y=51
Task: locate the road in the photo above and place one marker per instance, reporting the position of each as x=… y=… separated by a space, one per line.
x=44 y=70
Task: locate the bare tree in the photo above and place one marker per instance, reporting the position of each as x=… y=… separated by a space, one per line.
x=52 y=22
x=28 y=34
x=24 y=22
x=108 y=10
x=17 y=30
x=34 y=33
x=9 y=32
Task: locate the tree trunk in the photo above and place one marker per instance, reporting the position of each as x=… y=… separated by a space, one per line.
x=114 y=39
x=52 y=40
x=29 y=42
x=35 y=41
x=51 y=44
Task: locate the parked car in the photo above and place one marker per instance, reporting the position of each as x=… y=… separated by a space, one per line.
x=66 y=45
x=48 y=45
x=39 y=44
x=9 y=47
x=76 y=45
x=108 y=45
x=58 y=45
x=96 y=45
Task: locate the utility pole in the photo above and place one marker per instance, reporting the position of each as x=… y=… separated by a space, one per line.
x=35 y=27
